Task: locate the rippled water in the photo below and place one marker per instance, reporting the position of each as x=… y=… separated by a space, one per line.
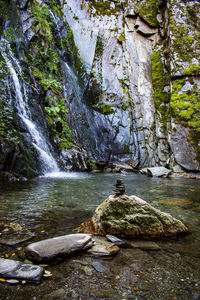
x=57 y=203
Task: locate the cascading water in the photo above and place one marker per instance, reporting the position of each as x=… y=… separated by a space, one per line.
x=47 y=161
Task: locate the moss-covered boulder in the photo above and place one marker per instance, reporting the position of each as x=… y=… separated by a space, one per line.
x=132 y=216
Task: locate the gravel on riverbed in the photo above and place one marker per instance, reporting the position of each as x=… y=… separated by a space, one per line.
x=131 y=274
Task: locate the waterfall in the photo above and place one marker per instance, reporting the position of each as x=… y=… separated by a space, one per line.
x=48 y=163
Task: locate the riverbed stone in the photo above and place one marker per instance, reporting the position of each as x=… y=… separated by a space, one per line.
x=99 y=267
x=158 y=171
x=118 y=242
x=50 y=249
x=13 y=233
x=17 y=270
x=103 y=248
x=131 y=216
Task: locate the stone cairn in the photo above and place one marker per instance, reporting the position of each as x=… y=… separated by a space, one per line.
x=120 y=188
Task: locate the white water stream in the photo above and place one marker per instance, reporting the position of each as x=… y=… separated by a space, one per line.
x=48 y=163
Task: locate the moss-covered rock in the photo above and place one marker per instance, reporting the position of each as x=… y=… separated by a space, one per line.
x=132 y=216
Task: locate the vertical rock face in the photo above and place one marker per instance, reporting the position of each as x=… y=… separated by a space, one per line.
x=128 y=72
x=129 y=51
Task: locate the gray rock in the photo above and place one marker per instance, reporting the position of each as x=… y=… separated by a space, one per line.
x=184 y=153
x=177 y=169
x=158 y=171
x=99 y=267
x=50 y=249
x=18 y=270
x=118 y=242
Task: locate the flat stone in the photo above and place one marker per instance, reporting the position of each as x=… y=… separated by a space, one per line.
x=146 y=245
x=158 y=171
x=118 y=242
x=103 y=248
x=50 y=249
x=99 y=267
x=17 y=270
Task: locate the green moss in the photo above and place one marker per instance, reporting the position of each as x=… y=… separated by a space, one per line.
x=192 y=70
x=99 y=46
x=7 y=129
x=56 y=116
x=183 y=43
x=102 y=7
x=185 y=105
x=4 y=11
x=105 y=109
x=121 y=37
x=55 y=6
x=148 y=10
x=126 y=149
x=160 y=80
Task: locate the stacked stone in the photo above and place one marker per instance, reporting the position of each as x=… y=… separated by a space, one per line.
x=120 y=188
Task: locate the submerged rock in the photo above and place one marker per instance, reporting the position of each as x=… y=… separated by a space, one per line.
x=146 y=245
x=17 y=270
x=132 y=216
x=50 y=249
x=103 y=248
x=13 y=233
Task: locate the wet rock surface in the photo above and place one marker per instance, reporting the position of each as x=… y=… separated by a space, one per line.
x=103 y=248
x=50 y=249
x=13 y=233
x=131 y=216
x=118 y=242
x=18 y=270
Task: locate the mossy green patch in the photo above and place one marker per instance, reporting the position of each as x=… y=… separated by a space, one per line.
x=184 y=41
x=185 y=105
x=56 y=117
x=105 y=109
x=102 y=7
x=148 y=10
x=7 y=129
x=99 y=46
x=192 y=70
x=55 y=6
x=121 y=37
x=160 y=80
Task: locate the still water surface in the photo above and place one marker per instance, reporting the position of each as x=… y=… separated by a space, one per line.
x=52 y=206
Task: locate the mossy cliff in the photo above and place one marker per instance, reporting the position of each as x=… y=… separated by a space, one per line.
x=111 y=80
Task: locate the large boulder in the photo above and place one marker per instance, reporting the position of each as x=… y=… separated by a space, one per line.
x=158 y=171
x=132 y=216
x=51 y=249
